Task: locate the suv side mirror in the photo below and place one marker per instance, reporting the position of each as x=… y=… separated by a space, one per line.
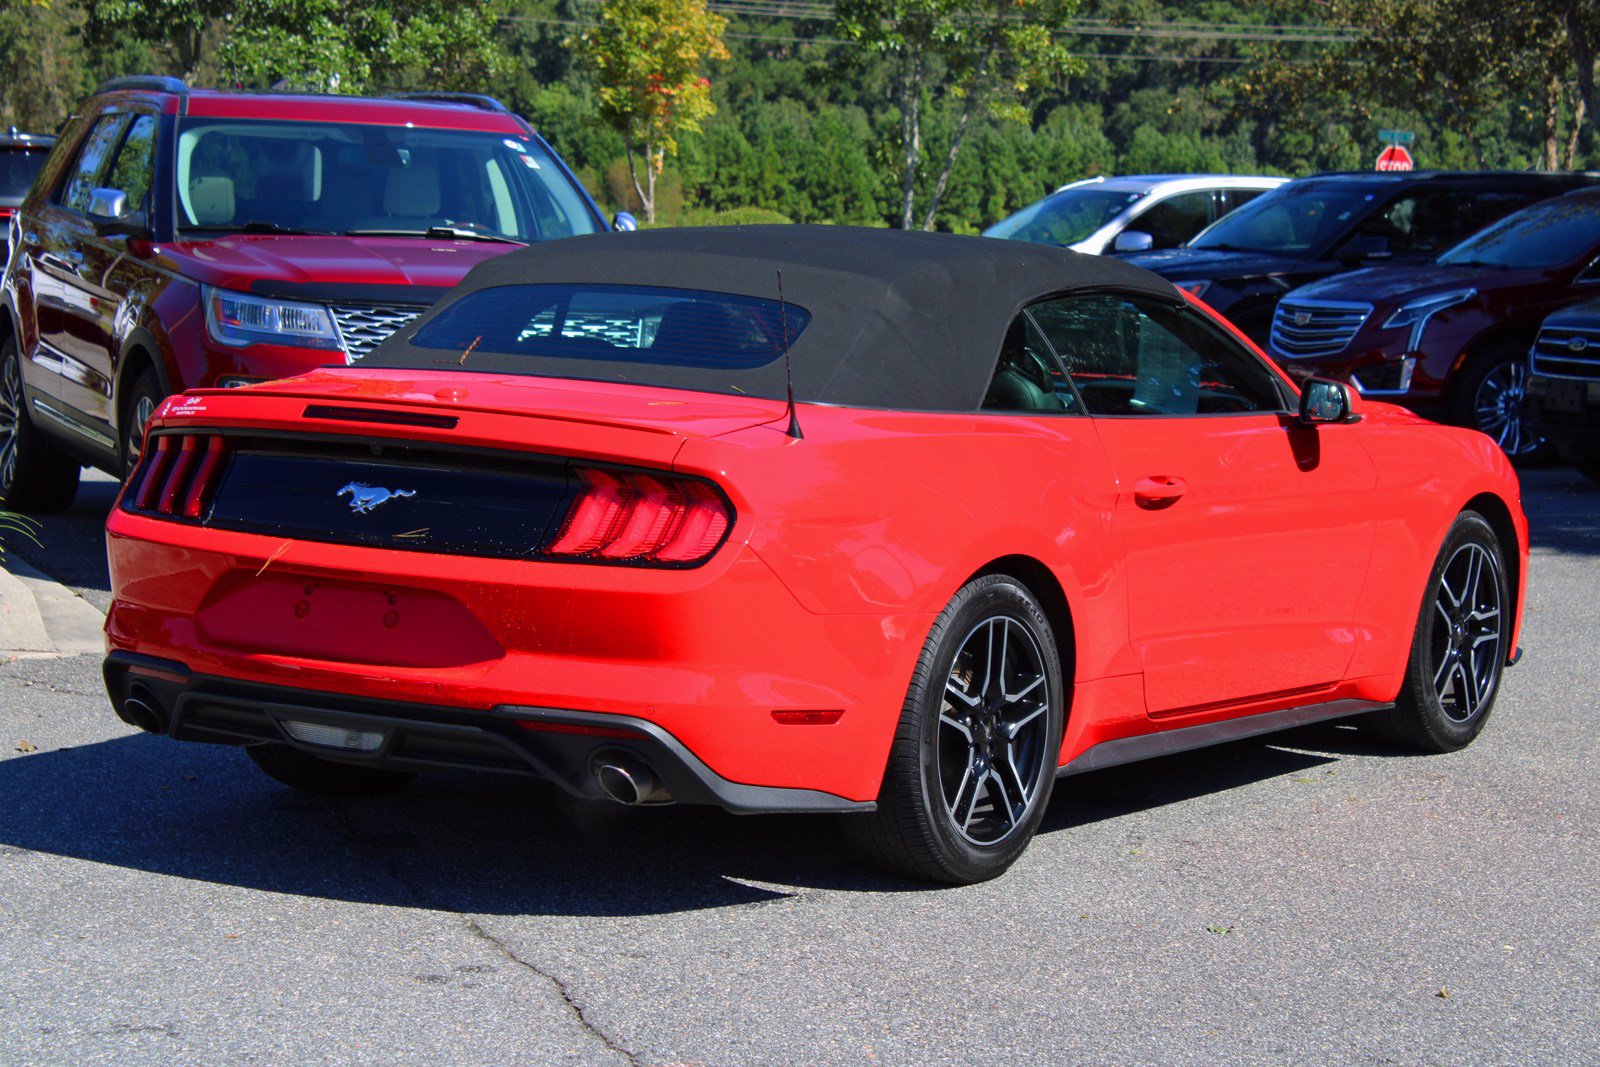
x=624 y=221
x=1133 y=241
x=1362 y=249
x=1323 y=400
x=108 y=213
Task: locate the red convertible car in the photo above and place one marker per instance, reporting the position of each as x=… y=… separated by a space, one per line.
x=903 y=526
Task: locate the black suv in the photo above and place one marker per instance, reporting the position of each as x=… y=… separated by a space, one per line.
x=1563 y=400
x=1329 y=223
x=21 y=157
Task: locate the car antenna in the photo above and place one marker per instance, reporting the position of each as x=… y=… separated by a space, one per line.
x=788 y=374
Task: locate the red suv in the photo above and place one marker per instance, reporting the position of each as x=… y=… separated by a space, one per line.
x=181 y=238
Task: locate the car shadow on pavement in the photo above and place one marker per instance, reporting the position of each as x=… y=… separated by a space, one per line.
x=491 y=844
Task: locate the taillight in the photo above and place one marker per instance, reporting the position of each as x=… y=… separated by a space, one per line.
x=179 y=474
x=626 y=516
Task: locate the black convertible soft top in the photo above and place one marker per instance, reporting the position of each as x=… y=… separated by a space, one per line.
x=898 y=320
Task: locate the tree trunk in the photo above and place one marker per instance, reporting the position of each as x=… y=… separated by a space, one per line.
x=1579 y=113
x=949 y=161
x=633 y=176
x=1552 y=125
x=1582 y=46
x=910 y=134
x=654 y=161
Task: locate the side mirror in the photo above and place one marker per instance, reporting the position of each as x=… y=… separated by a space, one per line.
x=1133 y=241
x=108 y=212
x=1364 y=248
x=624 y=221
x=1323 y=400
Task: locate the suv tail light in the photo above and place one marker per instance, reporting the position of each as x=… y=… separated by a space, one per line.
x=179 y=474
x=626 y=516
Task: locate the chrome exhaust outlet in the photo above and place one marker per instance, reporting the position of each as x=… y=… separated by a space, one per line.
x=627 y=781
x=143 y=710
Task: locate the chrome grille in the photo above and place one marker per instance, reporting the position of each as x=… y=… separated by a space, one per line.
x=362 y=327
x=1567 y=352
x=1310 y=328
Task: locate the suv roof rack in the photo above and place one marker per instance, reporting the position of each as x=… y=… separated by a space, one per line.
x=147 y=82
x=477 y=100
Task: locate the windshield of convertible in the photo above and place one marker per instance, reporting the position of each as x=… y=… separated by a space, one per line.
x=253 y=176
x=537 y=324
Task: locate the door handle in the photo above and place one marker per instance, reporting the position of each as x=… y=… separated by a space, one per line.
x=1159 y=491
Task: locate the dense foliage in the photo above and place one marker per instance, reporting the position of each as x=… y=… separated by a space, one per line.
x=808 y=118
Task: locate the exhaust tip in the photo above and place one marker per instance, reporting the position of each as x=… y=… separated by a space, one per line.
x=141 y=709
x=627 y=781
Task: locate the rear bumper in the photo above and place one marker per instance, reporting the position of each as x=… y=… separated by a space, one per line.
x=556 y=745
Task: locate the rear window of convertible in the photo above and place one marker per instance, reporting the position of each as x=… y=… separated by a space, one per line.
x=615 y=323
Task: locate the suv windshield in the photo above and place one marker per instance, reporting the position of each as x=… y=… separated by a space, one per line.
x=18 y=168
x=1548 y=234
x=1066 y=217
x=1297 y=217
x=336 y=178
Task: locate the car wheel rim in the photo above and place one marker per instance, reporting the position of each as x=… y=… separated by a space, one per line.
x=993 y=728
x=143 y=408
x=1499 y=409
x=10 y=421
x=1466 y=654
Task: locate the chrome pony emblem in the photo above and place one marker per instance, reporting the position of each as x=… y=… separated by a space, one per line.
x=364 y=497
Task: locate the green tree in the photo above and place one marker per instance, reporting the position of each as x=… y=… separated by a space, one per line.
x=982 y=54
x=647 y=59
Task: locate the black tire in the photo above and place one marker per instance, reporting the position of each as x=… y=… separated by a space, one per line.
x=953 y=720
x=140 y=403
x=1488 y=397
x=1588 y=466
x=1446 y=698
x=329 y=778
x=35 y=476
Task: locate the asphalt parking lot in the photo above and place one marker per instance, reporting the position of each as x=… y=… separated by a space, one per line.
x=1306 y=898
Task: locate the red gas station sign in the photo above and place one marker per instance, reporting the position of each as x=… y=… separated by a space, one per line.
x=1395 y=157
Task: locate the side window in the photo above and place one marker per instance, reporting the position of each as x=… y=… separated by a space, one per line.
x=1481 y=207
x=1027 y=376
x=1233 y=199
x=91 y=162
x=134 y=169
x=1422 y=223
x=1177 y=218
x=1142 y=357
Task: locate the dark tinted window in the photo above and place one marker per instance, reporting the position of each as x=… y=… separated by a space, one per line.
x=134 y=170
x=635 y=324
x=1176 y=219
x=1233 y=199
x=91 y=162
x=1027 y=376
x=1420 y=223
x=1136 y=357
x=18 y=168
x=1298 y=217
x=1548 y=234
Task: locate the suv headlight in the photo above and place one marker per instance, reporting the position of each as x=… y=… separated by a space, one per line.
x=237 y=319
x=1416 y=313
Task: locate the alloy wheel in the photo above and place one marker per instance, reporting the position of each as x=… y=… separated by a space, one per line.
x=993 y=725
x=143 y=408
x=10 y=422
x=1498 y=406
x=1465 y=646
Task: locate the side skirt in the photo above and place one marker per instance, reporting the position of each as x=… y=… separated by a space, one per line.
x=1166 y=742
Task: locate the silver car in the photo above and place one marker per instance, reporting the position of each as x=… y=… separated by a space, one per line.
x=1134 y=213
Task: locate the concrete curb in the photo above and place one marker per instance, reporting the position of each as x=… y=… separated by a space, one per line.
x=41 y=617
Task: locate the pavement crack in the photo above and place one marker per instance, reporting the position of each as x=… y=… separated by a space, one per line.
x=574 y=1005
x=421 y=899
